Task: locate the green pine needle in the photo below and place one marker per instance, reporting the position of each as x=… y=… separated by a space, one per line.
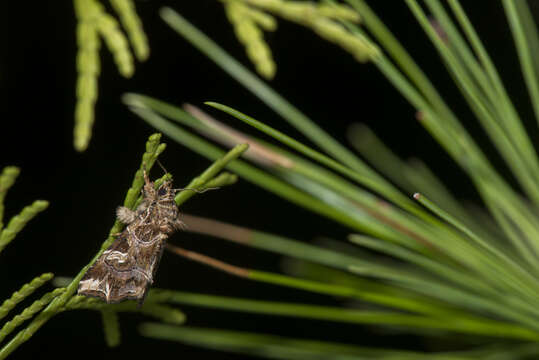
x=133 y=26
x=17 y=223
x=7 y=179
x=25 y=291
x=27 y=314
x=164 y=313
x=111 y=327
x=210 y=173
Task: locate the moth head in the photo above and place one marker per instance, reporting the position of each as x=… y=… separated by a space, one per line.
x=162 y=191
x=165 y=191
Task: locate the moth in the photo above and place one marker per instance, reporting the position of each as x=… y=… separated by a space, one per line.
x=126 y=270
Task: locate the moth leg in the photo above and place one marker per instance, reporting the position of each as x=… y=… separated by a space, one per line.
x=125 y=215
x=180 y=225
x=176 y=224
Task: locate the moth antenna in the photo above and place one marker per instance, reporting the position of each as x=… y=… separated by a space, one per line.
x=196 y=190
x=161 y=166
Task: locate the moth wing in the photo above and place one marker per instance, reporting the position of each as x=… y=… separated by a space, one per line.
x=149 y=254
x=115 y=276
x=121 y=255
x=96 y=282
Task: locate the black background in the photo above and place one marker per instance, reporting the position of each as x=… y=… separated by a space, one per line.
x=37 y=92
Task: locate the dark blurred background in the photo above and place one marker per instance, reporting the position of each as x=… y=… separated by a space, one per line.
x=37 y=95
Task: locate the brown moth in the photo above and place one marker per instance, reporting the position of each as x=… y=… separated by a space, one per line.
x=126 y=270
